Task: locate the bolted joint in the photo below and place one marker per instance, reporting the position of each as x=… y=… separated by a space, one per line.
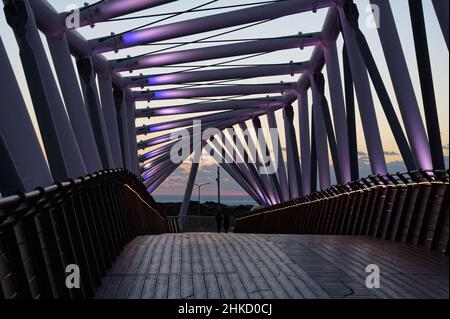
x=142 y=144
x=148 y=112
x=92 y=13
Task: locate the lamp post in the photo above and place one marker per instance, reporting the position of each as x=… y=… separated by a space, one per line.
x=199 y=190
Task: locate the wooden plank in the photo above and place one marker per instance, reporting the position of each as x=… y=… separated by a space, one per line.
x=149 y=289
x=175 y=267
x=196 y=267
x=273 y=262
x=212 y=287
x=133 y=267
x=222 y=243
x=162 y=286
x=157 y=256
x=186 y=263
x=250 y=259
x=148 y=255
x=124 y=287
x=237 y=286
x=226 y=289
x=166 y=260
x=244 y=272
x=137 y=287
x=204 y=255
x=211 y=247
x=261 y=263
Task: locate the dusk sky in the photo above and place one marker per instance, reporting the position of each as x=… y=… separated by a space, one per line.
x=291 y=25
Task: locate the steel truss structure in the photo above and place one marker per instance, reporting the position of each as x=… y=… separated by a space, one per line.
x=94 y=128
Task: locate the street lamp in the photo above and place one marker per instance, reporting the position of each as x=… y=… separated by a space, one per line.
x=199 y=188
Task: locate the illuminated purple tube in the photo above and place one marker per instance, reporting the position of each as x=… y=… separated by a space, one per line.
x=218 y=74
x=215 y=52
x=209 y=23
x=155 y=169
x=216 y=91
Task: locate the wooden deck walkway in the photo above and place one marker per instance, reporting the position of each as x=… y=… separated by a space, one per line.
x=245 y=266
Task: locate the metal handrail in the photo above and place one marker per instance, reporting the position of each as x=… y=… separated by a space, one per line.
x=11 y=206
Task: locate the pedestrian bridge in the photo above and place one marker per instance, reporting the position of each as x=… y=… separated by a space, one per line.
x=109 y=226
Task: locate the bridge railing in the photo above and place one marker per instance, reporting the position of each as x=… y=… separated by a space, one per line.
x=410 y=208
x=83 y=223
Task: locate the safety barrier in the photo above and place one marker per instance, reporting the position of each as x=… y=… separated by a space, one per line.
x=411 y=208
x=83 y=223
